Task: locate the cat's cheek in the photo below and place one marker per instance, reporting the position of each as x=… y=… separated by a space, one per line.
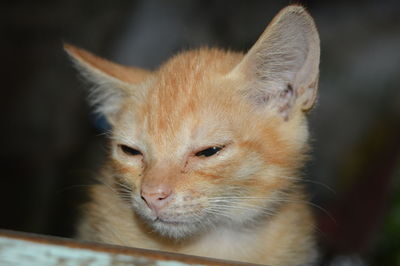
x=131 y=174
x=132 y=162
x=128 y=169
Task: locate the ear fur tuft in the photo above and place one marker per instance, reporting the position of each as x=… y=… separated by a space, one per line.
x=282 y=67
x=110 y=82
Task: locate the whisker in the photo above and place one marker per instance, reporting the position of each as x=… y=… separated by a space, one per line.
x=236 y=199
x=218 y=212
x=123 y=187
x=109 y=187
x=247 y=208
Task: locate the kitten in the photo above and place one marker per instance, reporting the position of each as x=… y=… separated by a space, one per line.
x=205 y=152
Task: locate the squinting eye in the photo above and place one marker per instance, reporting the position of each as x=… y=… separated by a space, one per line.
x=209 y=151
x=129 y=151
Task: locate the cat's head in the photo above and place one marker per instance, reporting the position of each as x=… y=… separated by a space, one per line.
x=211 y=137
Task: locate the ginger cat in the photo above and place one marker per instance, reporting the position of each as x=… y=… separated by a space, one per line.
x=205 y=152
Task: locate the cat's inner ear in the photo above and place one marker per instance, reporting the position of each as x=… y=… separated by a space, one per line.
x=110 y=82
x=281 y=69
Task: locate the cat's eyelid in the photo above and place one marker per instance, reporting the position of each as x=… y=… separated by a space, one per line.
x=221 y=144
x=121 y=140
x=128 y=150
x=126 y=145
x=202 y=152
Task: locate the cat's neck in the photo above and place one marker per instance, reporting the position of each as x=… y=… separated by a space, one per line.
x=249 y=241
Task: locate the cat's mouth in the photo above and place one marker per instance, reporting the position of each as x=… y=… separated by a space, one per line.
x=165 y=217
x=169 y=222
x=173 y=228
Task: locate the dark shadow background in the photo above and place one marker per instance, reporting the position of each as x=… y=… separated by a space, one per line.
x=50 y=144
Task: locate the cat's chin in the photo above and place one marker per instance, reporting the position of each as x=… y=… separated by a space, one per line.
x=169 y=228
x=175 y=229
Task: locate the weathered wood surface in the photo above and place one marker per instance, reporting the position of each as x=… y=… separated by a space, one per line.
x=25 y=249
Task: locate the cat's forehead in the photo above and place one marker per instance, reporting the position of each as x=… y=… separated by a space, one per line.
x=186 y=102
x=188 y=87
x=203 y=59
x=189 y=70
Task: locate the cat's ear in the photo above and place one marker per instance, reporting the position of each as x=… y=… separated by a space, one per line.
x=110 y=82
x=281 y=69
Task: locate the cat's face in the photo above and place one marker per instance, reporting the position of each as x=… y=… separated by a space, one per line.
x=212 y=138
x=194 y=153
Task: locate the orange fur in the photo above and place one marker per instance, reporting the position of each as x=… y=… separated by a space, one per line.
x=242 y=202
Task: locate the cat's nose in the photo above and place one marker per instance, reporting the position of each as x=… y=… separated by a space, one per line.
x=156 y=197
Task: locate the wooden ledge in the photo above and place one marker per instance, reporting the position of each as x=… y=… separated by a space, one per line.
x=17 y=248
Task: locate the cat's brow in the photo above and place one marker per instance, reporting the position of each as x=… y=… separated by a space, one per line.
x=122 y=138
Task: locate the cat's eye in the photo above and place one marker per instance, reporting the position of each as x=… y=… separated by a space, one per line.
x=129 y=150
x=209 y=151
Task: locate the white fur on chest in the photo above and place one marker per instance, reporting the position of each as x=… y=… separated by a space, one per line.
x=225 y=242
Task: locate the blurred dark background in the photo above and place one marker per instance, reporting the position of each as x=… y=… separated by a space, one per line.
x=51 y=144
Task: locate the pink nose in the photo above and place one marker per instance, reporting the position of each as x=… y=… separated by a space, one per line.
x=156 y=197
